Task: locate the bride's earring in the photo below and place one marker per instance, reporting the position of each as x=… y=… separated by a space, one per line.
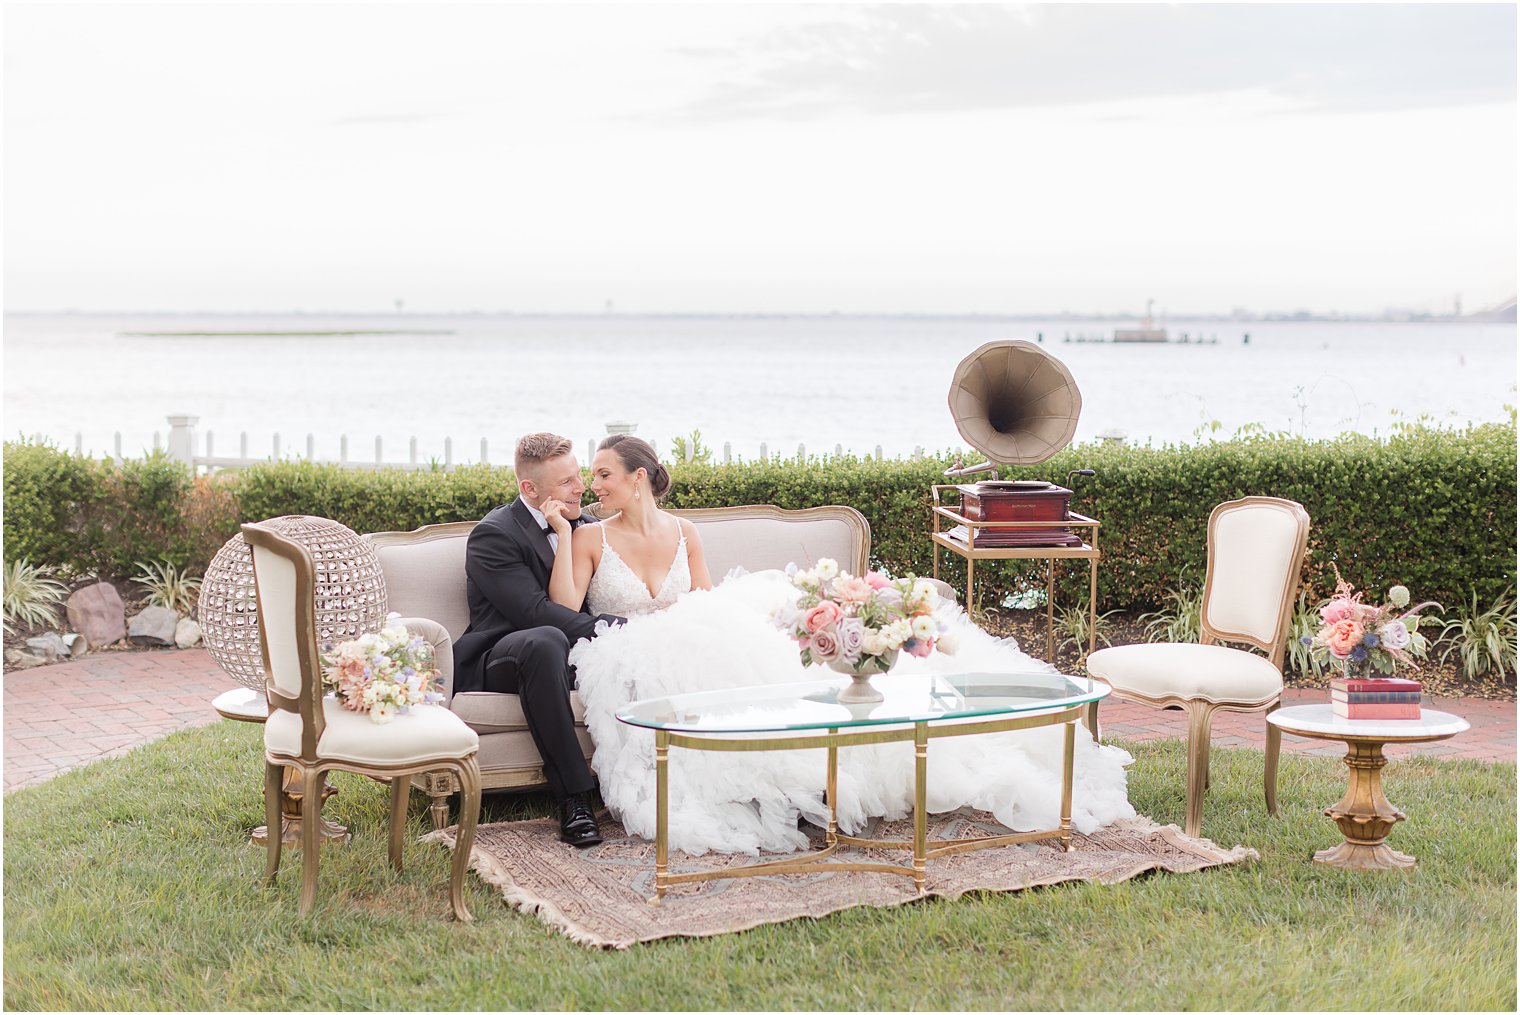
x=637 y=491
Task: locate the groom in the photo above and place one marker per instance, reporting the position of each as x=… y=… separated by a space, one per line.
x=518 y=641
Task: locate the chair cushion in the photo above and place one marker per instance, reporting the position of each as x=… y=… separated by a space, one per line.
x=424 y=733
x=491 y=712
x=1211 y=672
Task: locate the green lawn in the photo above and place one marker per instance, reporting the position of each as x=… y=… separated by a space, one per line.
x=129 y=884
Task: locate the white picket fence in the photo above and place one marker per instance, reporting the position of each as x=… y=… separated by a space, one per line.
x=200 y=450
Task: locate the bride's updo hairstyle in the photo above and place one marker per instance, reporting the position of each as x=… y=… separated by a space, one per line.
x=636 y=453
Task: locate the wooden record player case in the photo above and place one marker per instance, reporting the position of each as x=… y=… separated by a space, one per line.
x=1018 y=501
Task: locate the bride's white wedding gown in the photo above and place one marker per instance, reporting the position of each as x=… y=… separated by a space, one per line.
x=677 y=641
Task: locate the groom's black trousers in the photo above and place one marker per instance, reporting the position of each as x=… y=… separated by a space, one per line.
x=534 y=665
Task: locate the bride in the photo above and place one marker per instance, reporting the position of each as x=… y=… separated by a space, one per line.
x=685 y=635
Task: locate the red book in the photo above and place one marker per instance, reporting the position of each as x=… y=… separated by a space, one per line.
x=1359 y=711
x=1370 y=684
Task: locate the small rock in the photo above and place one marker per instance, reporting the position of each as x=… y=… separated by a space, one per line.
x=153 y=626
x=78 y=644
x=97 y=612
x=186 y=633
x=18 y=660
x=50 y=646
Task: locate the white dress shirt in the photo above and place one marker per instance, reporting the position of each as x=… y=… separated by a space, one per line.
x=543 y=522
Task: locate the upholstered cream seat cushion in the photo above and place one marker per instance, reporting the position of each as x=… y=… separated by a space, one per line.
x=488 y=712
x=1211 y=672
x=424 y=733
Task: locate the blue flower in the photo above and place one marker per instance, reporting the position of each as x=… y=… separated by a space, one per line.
x=1358 y=654
x=1370 y=639
x=1306 y=640
x=910 y=645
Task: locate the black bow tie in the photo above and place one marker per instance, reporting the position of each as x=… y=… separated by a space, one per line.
x=548 y=530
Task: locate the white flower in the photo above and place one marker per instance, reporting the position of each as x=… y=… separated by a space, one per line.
x=382 y=713
x=896 y=633
x=1394 y=635
x=369 y=695
x=874 y=643
x=949 y=642
x=923 y=627
x=826 y=568
x=923 y=592
x=1399 y=596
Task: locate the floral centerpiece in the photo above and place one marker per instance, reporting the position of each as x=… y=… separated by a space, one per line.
x=1367 y=640
x=858 y=625
x=384 y=673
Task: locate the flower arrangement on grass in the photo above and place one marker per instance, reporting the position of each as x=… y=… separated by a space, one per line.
x=384 y=673
x=861 y=624
x=1358 y=635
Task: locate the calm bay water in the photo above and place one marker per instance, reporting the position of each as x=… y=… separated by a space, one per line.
x=854 y=381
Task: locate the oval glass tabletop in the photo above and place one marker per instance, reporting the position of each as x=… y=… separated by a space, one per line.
x=815 y=704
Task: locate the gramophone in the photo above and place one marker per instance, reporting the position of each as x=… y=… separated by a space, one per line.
x=1018 y=405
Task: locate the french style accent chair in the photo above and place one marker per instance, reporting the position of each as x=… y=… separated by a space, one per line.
x=312 y=734
x=1256 y=550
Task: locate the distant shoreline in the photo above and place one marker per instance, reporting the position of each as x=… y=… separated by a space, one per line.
x=280 y=334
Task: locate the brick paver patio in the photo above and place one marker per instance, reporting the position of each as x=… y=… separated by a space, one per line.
x=69 y=714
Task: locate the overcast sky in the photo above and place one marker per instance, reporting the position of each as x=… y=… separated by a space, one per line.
x=759 y=158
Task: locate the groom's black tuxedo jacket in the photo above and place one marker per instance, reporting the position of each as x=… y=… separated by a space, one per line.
x=507 y=563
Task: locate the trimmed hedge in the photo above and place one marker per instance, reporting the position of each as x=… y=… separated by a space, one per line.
x=1433 y=509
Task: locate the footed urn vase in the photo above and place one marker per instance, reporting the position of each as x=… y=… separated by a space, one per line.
x=860 y=691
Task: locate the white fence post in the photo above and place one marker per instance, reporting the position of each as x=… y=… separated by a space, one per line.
x=448 y=452
x=116 y=444
x=276 y=445
x=379 y=453
x=411 y=452
x=343 y=449
x=181 y=437
x=591 y=448
x=763 y=456
x=311 y=448
x=209 y=444
x=485 y=458
x=243 y=445
x=728 y=452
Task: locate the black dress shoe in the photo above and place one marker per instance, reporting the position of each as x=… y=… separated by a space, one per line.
x=577 y=825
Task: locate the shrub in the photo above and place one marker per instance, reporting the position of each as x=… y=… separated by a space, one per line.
x=1483 y=639
x=1433 y=509
x=169 y=587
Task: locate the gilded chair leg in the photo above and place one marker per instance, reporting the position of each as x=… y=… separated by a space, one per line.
x=311 y=835
x=1092 y=720
x=1200 y=718
x=1274 y=747
x=273 y=787
x=469 y=813
x=401 y=788
x=438 y=810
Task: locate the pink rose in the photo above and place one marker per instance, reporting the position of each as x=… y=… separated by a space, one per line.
x=919 y=648
x=852 y=635
x=825 y=614
x=825 y=645
x=877 y=580
x=852 y=589
x=1336 y=610
x=1345 y=635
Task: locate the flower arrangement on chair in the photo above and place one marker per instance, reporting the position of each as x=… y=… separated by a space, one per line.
x=384 y=673
x=1365 y=639
x=858 y=625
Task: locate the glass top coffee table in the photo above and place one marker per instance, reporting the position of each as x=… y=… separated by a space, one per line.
x=917 y=708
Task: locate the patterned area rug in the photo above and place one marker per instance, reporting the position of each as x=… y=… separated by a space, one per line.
x=599 y=896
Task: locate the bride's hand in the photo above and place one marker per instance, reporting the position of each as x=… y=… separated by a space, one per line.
x=554 y=514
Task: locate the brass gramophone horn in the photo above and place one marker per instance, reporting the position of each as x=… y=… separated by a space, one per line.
x=1015 y=403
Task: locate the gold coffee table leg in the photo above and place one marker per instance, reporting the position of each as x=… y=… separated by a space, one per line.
x=920 y=804
x=333 y=834
x=1068 y=754
x=1365 y=816
x=661 y=814
x=832 y=837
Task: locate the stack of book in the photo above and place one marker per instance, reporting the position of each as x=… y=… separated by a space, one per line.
x=1368 y=698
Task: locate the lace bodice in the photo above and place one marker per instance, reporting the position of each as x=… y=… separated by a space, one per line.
x=617 y=590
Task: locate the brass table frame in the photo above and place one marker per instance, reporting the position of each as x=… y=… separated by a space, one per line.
x=923 y=848
x=1088 y=551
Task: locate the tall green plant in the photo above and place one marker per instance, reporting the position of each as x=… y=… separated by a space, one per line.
x=32 y=595
x=1482 y=639
x=1301 y=631
x=1181 y=620
x=168 y=586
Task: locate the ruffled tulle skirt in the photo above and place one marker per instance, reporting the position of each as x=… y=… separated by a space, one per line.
x=744 y=802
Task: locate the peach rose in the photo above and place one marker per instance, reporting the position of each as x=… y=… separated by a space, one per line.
x=853 y=590
x=1345 y=635
x=825 y=614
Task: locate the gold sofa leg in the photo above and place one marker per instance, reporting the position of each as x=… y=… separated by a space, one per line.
x=1274 y=748
x=311 y=835
x=1092 y=720
x=274 y=777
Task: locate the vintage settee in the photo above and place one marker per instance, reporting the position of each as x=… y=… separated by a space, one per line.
x=425 y=583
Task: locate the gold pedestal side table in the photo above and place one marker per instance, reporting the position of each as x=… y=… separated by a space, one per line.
x=244 y=705
x=1364 y=814
x=960 y=539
